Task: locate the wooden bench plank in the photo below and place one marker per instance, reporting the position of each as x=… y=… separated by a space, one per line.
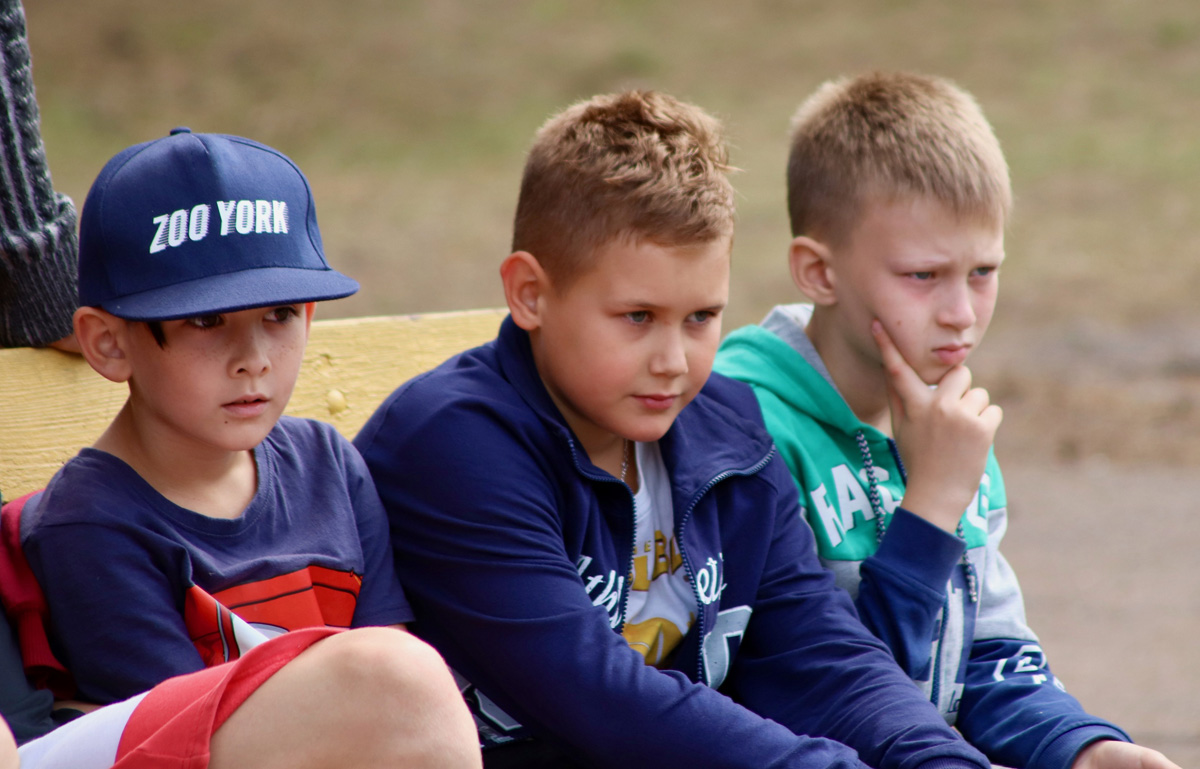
x=52 y=403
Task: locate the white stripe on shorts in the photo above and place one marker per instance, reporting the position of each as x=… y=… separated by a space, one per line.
x=88 y=742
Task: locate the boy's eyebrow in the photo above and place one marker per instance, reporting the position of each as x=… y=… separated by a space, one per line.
x=934 y=258
x=647 y=305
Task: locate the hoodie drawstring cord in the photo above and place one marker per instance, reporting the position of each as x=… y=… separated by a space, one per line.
x=876 y=498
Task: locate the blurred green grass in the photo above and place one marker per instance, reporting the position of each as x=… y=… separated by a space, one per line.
x=412 y=119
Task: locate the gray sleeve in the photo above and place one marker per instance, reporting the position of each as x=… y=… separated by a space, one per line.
x=38 y=244
x=1001 y=605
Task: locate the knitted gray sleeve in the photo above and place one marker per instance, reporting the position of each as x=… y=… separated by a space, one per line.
x=38 y=244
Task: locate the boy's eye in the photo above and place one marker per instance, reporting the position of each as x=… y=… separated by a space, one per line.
x=702 y=316
x=638 y=316
x=983 y=272
x=925 y=275
x=204 y=321
x=282 y=314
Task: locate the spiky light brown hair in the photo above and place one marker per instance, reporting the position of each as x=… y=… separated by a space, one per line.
x=639 y=165
x=881 y=137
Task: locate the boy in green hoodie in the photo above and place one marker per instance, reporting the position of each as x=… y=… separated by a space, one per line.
x=898 y=193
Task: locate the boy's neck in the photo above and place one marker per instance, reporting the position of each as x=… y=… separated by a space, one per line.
x=860 y=380
x=204 y=479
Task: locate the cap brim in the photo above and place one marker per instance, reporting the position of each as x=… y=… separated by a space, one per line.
x=261 y=287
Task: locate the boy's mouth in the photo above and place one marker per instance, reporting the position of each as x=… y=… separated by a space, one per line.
x=952 y=354
x=248 y=405
x=657 y=401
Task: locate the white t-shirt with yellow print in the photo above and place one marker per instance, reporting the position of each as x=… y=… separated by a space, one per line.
x=662 y=606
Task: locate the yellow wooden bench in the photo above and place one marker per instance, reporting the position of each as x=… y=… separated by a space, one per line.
x=53 y=403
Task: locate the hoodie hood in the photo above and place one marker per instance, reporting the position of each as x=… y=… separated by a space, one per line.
x=848 y=472
x=777 y=358
x=825 y=446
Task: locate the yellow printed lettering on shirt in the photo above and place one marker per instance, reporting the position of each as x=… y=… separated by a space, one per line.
x=666 y=560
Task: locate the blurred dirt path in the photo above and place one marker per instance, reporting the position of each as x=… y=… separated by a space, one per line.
x=1107 y=557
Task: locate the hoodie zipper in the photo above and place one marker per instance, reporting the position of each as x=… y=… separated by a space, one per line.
x=687 y=561
x=623 y=601
x=680 y=526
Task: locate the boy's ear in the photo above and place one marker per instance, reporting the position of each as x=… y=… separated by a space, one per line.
x=102 y=339
x=812 y=269
x=525 y=282
x=310 y=309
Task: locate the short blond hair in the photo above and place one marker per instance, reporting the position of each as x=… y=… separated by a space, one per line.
x=881 y=137
x=639 y=165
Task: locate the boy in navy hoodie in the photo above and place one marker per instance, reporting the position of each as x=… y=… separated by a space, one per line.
x=599 y=537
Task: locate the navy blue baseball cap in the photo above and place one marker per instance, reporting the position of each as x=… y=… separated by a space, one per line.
x=198 y=224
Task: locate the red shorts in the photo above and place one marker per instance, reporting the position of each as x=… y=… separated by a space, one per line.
x=174 y=724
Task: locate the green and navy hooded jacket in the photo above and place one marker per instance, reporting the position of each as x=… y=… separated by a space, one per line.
x=948 y=606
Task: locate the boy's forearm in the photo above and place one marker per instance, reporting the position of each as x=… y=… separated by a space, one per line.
x=903 y=587
x=1014 y=710
x=545 y=655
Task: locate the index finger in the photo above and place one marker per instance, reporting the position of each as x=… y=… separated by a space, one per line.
x=900 y=374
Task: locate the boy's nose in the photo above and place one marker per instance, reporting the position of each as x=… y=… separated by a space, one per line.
x=670 y=359
x=957 y=310
x=251 y=357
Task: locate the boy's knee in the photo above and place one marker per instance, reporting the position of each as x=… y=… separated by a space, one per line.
x=406 y=696
x=368 y=697
x=388 y=662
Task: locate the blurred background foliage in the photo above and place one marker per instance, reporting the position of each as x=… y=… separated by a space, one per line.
x=412 y=119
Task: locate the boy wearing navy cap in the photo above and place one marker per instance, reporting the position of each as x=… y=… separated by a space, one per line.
x=202 y=523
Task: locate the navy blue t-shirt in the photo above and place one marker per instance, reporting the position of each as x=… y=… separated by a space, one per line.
x=127 y=573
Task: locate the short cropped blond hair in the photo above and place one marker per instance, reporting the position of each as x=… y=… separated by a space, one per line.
x=881 y=137
x=639 y=165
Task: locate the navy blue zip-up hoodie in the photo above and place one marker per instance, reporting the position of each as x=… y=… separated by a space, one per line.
x=514 y=550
